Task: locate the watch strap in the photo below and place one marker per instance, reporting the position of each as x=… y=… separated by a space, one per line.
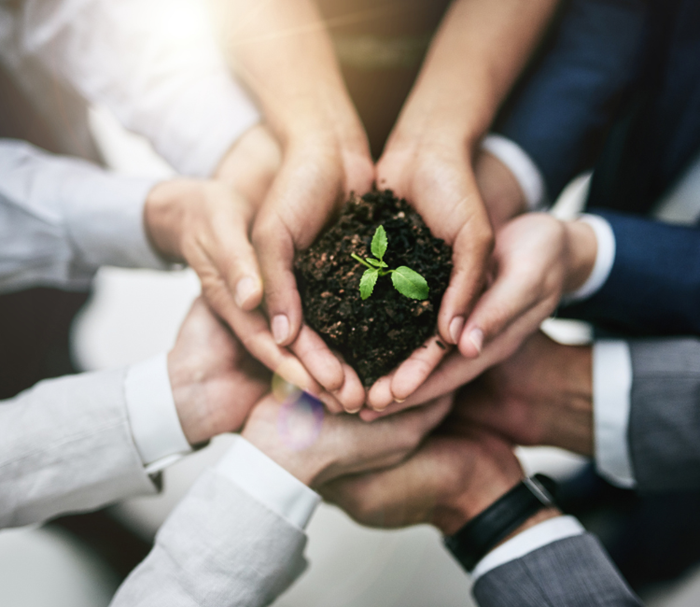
x=480 y=535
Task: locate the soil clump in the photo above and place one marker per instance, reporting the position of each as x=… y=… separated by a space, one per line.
x=376 y=334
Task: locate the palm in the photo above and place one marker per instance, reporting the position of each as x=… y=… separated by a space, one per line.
x=439 y=183
x=213 y=373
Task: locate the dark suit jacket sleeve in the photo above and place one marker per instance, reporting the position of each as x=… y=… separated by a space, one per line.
x=573 y=572
x=664 y=423
x=560 y=113
x=654 y=285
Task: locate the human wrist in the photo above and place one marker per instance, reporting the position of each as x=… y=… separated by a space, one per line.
x=303 y=464
x=528 y=504
x=164 y=215
x=570 y=423
x=499 y=189
x=582 y=247
x=537 y=518
x=466 y=498
x=187 y=395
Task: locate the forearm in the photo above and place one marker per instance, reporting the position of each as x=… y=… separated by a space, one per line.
x=663 y=422
x=284 y=53
x=63 y=218
x=652 y=286
x=66 y=446
x=574 y=570
x=479 y=50
x=220 y=546
x=153 y=64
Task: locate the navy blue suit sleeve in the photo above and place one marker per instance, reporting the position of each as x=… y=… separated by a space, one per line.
x=654 y=285
x=560 y=114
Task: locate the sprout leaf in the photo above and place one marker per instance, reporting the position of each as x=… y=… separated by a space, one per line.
x=379 y=243
x=367 y=282
x=410 y=283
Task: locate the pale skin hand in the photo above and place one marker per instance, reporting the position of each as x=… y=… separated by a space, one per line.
x=447 y=482
x=214 y=381
x=284 y=53
x=477 y=53
x=537 y=259
x=344 y=444
x=207 y=224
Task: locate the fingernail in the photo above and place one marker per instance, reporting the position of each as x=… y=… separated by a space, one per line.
x=456 y=327
x=280 y=328
x=245 y=289
x=399 y=400
x=477 y=338
x=353 y=411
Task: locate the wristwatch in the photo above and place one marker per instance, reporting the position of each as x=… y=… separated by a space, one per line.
x=479 y=536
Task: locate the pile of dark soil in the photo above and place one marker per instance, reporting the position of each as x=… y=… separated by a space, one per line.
x=376 y=334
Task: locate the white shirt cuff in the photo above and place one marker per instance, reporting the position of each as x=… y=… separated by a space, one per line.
x=604 y=259
x=531 y=539
x=612 y=386
x=521 y=165
x=269 y=483
x=153 y=417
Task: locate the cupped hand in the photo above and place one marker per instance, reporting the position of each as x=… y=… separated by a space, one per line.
x=452 y=372
x=316 y=177
x=437 y=180
x=316 y=447
x=503 y=199
x=214 y=381
x=207 y=224
x=447 y=482
x=537 y=259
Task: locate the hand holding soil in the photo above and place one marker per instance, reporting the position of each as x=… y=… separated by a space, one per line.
x=377 y=333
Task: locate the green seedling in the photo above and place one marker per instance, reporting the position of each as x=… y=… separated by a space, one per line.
x=406 y=281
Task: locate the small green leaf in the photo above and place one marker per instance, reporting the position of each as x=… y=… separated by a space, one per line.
x=367 y=282
x=376 y=263
x=379 y=243
x=409 y=283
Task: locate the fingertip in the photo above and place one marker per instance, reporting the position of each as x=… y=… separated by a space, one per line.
x=455 y=329
x=248 y=295
x=331 y=403
x=407 y=379
x=280 y=329
x=476 y=337
x=380 y=395
x=367 y=415
x=352 y=394
x=471 y=343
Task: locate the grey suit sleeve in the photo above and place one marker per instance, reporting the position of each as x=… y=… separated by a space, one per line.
x=66 y=446
x=220 y=547
x=664 y=424
x=573 y=572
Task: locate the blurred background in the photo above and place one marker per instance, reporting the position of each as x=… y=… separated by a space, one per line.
x=134 y=314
